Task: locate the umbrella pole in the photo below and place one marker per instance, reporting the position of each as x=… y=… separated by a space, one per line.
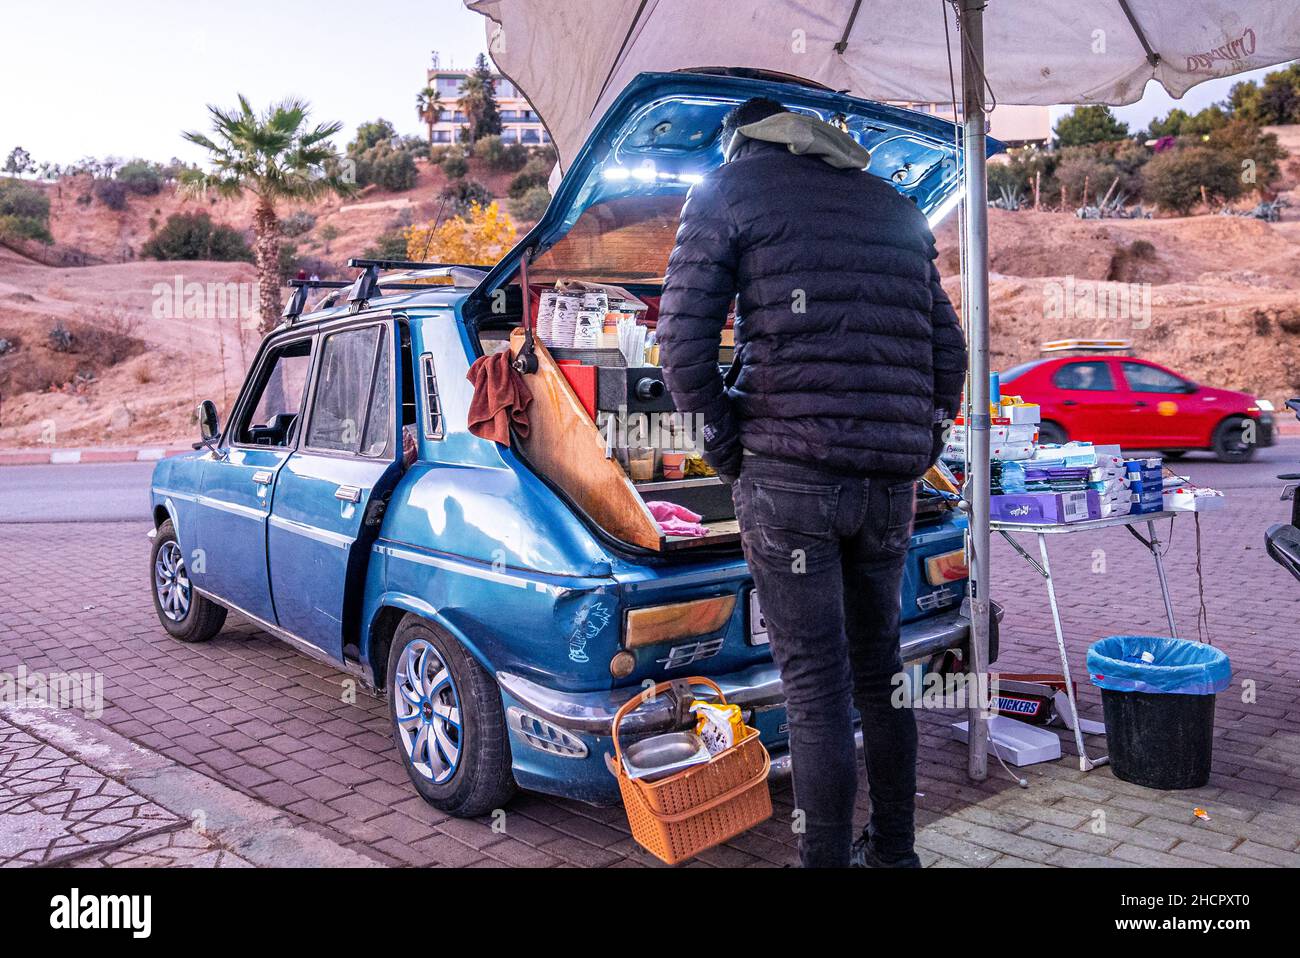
x=975 y=306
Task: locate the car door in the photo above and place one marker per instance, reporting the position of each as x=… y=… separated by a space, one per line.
x=238 y=478
x=1088 y=404
x=1164 y=411
x=329 y=494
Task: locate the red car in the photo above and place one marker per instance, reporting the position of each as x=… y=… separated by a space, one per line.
x=1140 y=405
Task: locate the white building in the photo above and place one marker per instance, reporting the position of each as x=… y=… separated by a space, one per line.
x=519 y=124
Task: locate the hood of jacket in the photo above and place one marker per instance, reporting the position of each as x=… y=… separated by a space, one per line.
x=808 y=136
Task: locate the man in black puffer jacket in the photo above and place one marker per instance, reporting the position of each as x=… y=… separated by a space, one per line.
x=849 y=363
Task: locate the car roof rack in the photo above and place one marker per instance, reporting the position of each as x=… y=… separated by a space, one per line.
x=407 y=275
x=1087 y=345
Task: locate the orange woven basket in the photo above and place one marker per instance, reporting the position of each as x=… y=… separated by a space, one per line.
x=677 y=817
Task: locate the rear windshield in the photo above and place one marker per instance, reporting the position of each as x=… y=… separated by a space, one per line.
x=625 y=239
x=1015 y=372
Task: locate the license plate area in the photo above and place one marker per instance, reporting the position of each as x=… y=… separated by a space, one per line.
x=757 y=624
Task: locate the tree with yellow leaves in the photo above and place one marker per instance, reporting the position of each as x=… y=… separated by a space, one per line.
x=480 y=237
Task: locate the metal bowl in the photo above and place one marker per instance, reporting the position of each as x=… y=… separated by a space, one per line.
x=659 y=756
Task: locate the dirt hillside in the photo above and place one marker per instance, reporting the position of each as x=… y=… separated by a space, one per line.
x=100 y=354
x=85 y=230
x=1214 y=297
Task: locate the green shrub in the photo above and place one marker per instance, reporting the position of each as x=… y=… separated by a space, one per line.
x=370 y=135
x=499 y=156
x=60 y=338
x=1004 y=175
x=390 y=244
x=297 y=223
x=195 y=236
x=536 y=172
x=24 y=211
x=1256 y=153
x=1084 y=169
x=454 y=165
x=393 y=169
x=462 y=194
x=1174 y=178
x=1092 y=123
x=141 y=177
x=111 y=193
x=531 y=205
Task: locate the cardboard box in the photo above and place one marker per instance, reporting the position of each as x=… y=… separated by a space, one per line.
x=1045 y=507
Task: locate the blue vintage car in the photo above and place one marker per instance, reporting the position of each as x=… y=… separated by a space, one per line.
x=504 y=625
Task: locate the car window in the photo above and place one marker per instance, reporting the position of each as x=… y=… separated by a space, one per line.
x=432 y=406
x=379 y=423
x=1148 y=379
x=1084 y=375
x=347 y=367
x=274 y=411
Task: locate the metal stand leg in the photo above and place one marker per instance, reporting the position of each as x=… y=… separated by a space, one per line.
x=1164 y=583
x=1045 y=567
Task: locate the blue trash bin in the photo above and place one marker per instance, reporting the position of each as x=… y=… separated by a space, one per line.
x=1157 y=700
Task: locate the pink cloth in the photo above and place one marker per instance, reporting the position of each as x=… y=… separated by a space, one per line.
x=675 y=520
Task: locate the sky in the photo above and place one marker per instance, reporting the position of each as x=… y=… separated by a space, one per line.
x=92 y=78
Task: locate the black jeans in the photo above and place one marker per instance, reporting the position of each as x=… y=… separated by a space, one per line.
x=827 y=554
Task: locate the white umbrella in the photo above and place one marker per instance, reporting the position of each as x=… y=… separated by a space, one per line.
x=572 y=57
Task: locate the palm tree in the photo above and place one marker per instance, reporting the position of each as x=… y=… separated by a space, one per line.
x=428 y=104
x=278 y=158
x=478 y=101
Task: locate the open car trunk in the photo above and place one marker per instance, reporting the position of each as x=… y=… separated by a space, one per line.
x=567 y=446
x=613 y=221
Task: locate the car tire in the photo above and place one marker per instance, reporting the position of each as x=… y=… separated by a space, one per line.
x=184 y=613
x=1052 y=434
x=1227 y=443
x=448 y=724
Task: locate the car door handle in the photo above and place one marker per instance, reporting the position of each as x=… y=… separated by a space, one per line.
x=348 y=493
x=263 y=477
x=1140 y=404
x=1068 y=402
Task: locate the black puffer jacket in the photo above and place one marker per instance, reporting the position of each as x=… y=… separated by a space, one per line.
x=849 y=350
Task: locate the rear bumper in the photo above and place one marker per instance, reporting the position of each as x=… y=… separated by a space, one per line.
x=757 y=687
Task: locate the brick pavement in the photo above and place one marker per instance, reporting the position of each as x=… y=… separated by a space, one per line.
x=53 y=808
x=257 y=716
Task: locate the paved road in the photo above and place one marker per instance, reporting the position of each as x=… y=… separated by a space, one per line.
x=90 y=492
x=110 y=492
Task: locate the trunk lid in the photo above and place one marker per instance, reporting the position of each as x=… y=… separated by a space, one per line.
x=662 y=135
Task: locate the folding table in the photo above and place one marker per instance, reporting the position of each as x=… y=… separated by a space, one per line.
x=1044 y=568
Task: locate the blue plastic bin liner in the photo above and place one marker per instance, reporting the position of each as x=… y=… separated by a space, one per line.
x=1178 y=666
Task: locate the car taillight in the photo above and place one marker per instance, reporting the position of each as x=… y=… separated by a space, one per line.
x=653 y=624
x=948 y=567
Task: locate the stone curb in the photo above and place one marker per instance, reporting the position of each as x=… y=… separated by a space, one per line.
x=255 y=831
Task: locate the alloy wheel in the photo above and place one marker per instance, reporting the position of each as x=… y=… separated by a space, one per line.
x=172 y=582
x=426 y=708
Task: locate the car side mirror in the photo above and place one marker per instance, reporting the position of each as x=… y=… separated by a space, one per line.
x=209 y=422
